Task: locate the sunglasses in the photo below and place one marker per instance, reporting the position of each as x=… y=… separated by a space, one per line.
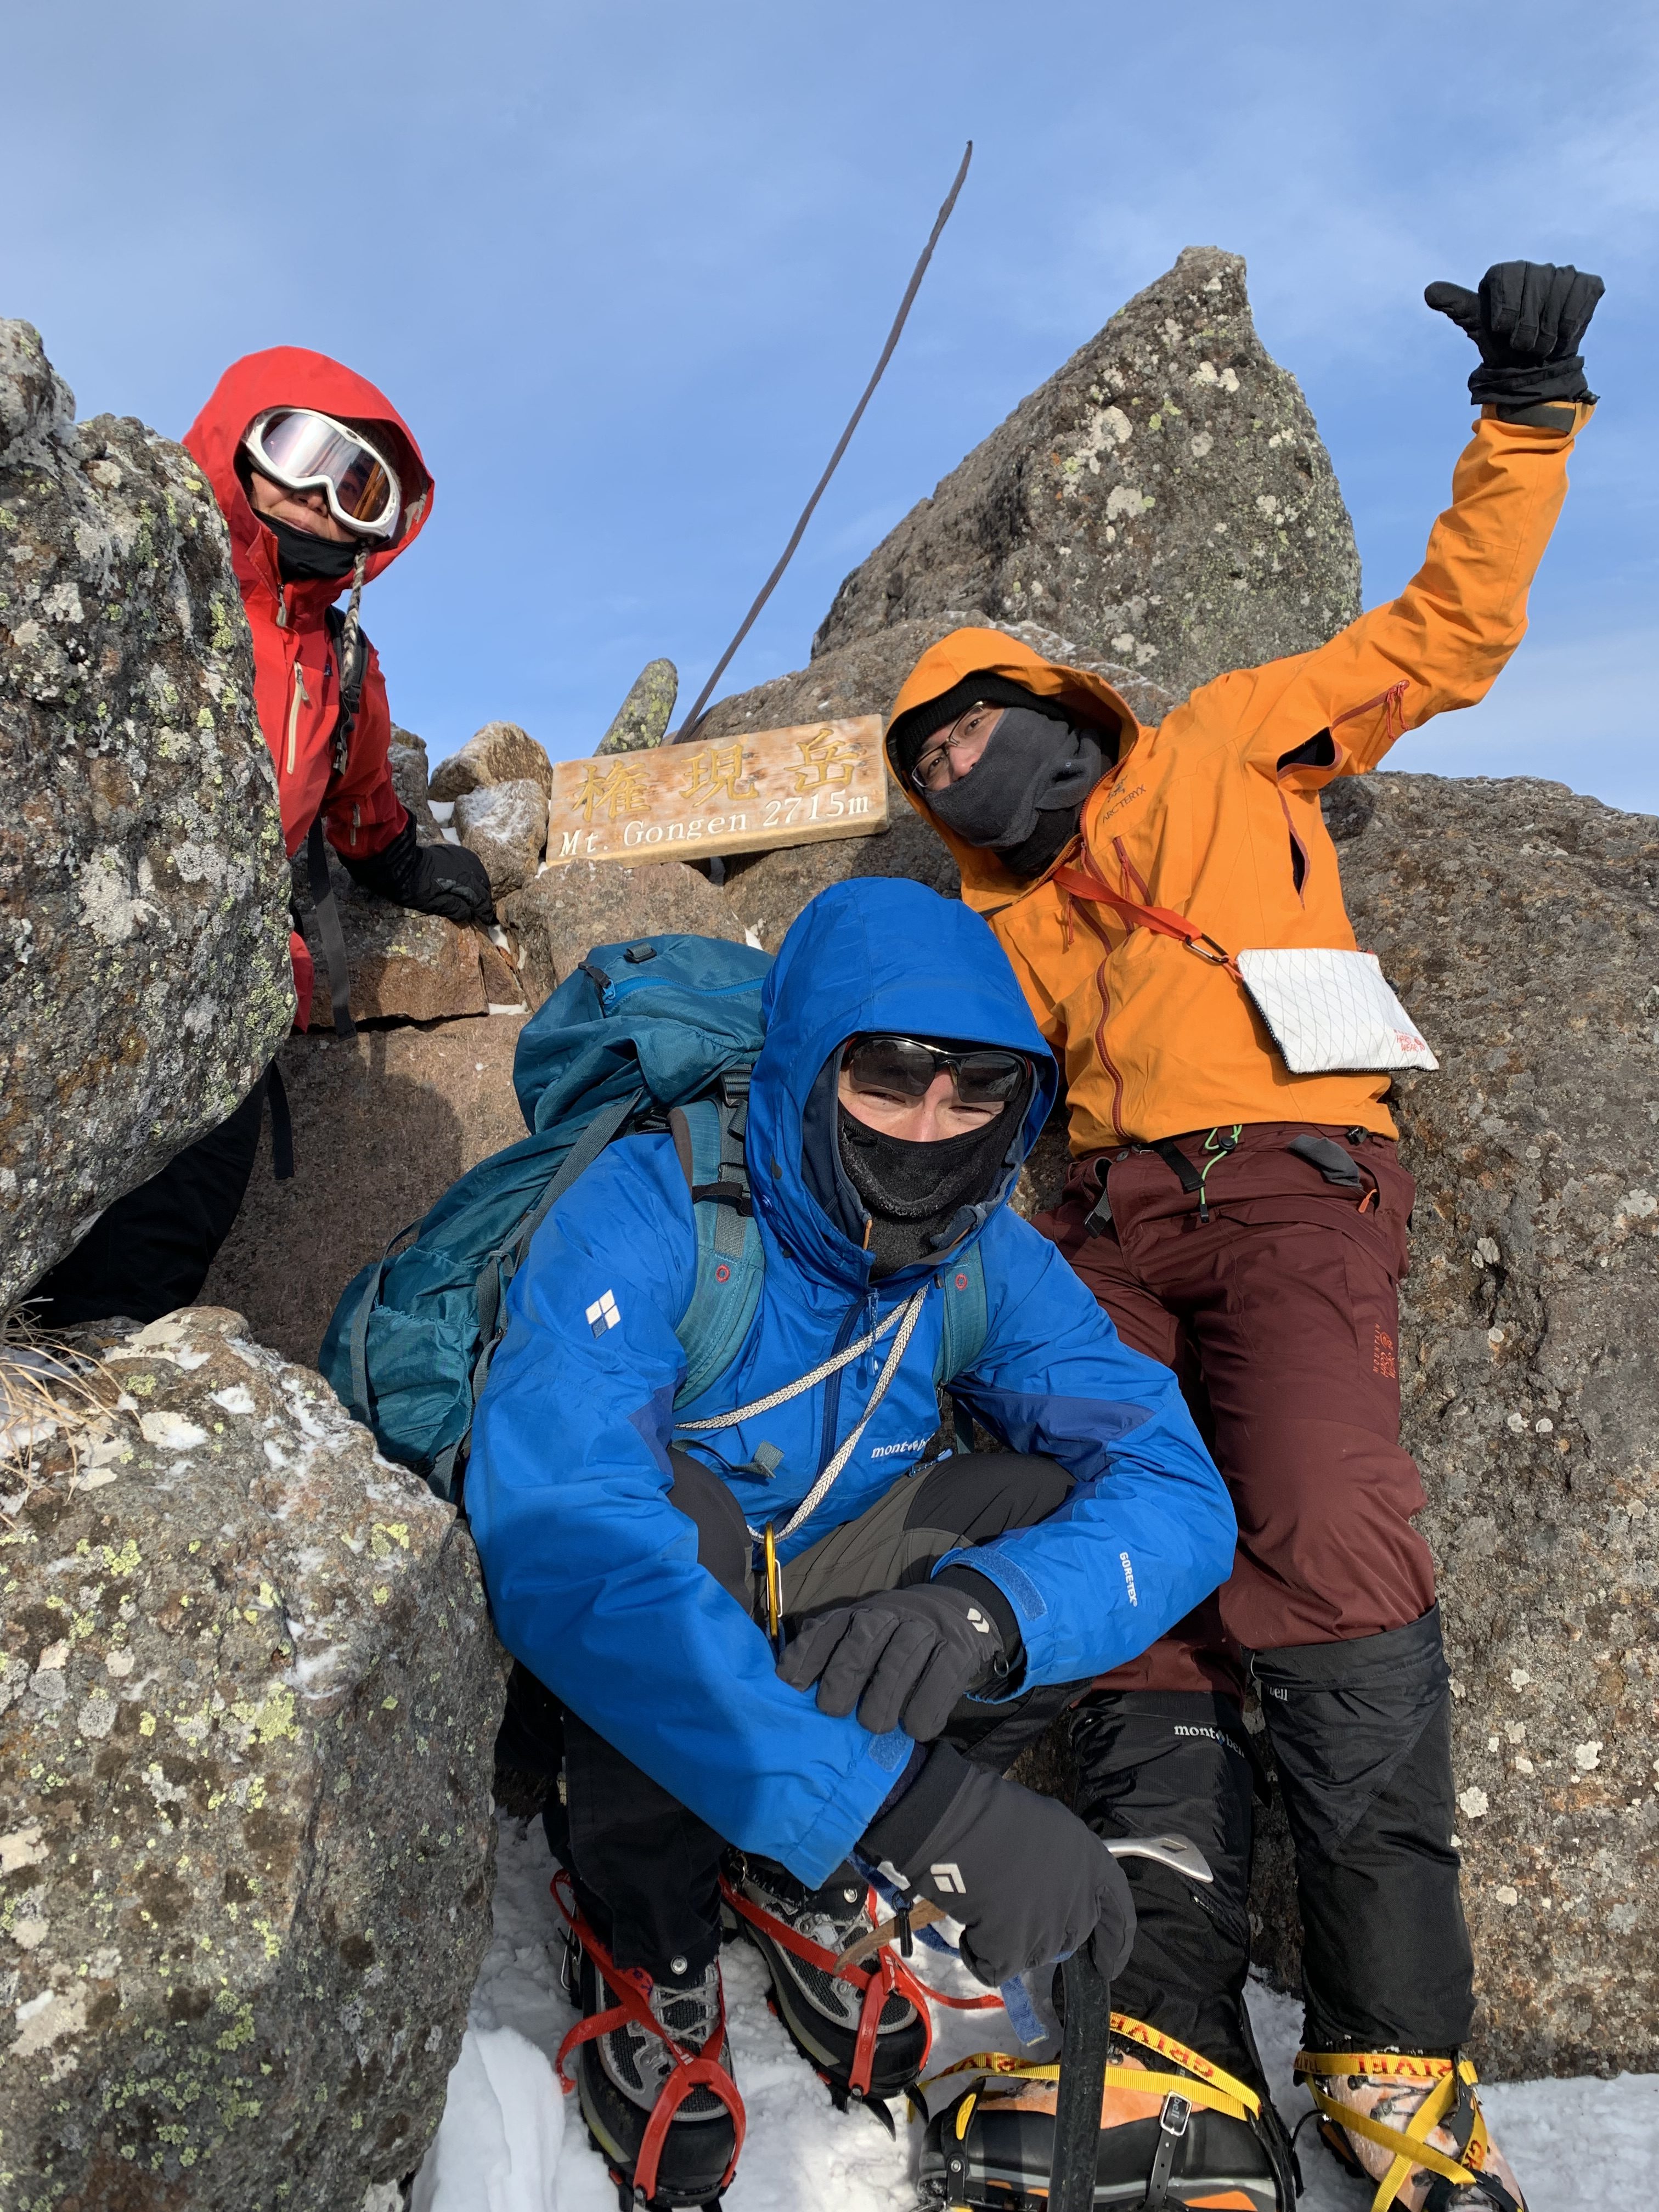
x=906 y=1068
x=304 y=450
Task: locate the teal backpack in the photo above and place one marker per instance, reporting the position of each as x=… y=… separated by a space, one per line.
x=658 y=1035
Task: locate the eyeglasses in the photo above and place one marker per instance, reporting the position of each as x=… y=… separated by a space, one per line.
x=906 y=1068
x=973 y=727
x=304 y=450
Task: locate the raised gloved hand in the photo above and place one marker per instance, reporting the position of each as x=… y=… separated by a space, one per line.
x=444 y=879
x=903 y=1658
x=1527 y=318
x=1027 y=1880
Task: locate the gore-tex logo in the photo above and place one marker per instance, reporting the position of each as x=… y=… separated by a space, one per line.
x=1128 y=1577
x=602 y=1313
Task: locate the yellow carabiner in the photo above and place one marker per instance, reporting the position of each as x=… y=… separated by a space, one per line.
x=773 y=1589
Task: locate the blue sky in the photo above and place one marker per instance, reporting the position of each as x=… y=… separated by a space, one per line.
x=625 y=268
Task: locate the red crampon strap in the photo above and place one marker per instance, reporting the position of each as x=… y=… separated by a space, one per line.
x=691 y=2070
x=888 y=1977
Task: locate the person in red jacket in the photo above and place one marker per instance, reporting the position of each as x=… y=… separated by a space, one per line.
x=322 y=486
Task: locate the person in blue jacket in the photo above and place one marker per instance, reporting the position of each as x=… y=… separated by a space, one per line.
x=927 y=1617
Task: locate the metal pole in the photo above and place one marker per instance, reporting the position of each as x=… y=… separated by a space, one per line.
x=688 y=728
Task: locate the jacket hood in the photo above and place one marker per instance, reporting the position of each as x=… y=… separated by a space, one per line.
x=294 y=376
x=985 y=881
x=877 y=953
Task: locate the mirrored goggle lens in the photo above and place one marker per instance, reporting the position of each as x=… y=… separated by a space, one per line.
x=902 y=1066
x=303 y=448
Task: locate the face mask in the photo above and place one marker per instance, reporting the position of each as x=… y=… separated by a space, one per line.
x=302 y=558
x=914 y=1193
x=1023 y=793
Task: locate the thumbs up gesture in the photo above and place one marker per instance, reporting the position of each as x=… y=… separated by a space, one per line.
x=1528 y=319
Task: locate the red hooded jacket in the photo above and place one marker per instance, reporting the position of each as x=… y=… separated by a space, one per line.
x=296 y=684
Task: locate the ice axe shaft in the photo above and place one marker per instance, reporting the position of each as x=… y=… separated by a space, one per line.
x=1082 y=2083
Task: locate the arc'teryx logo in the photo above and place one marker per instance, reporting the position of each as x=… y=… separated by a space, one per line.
x=602 y=1313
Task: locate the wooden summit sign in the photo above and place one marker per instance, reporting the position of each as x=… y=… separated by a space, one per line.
x=736 y=794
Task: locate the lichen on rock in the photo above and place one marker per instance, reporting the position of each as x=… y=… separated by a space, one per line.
x=144 y=978
x=248 y=1696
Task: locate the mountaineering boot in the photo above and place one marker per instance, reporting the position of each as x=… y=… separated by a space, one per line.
x=653 y=2076
x=866 y=2039
x=1414 y=2125
x=1155 y=1762
x=1175 y=2133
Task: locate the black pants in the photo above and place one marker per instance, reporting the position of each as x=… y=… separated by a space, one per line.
x=151 y=1250
x=646 y=1868
x=1360 y=1733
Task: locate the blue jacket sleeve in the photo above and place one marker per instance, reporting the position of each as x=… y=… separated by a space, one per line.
x=594 y=1574
x=1148 y=1530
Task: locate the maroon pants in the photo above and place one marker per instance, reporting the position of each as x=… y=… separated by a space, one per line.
x=1280 y=1314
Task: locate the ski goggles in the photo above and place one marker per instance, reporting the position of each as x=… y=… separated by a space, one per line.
x=304 y=450
x=906 y=1068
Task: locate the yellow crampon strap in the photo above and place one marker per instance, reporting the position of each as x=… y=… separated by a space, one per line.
x=1445 y=2079
x=1200 y=2082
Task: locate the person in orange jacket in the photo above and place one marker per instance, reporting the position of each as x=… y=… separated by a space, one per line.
x=322 y=486
x=1247 y=1224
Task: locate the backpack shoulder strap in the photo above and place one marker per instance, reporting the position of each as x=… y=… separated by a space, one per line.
x=967 y=1322
x=730 y=1264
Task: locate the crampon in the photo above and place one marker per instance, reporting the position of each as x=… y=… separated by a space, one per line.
x=1177 y=2133
x=1413 y=2126
x=652 y=2078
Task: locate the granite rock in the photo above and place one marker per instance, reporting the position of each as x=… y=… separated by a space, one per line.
x=248 y=1694
x=501 y=752
x=383 y=1123
x=558 y=918
x=404 y=966
x=505 y=825
x=1520 y=923
x=642 y=718
x=407 y=755
x=1163 y=498
x=144 y=977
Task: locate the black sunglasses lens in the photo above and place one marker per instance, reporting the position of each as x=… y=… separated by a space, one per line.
x=989 y=1079
x=903 y=1067
x=892 y=1064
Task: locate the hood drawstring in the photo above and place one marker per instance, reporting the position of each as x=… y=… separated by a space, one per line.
x=348 y=655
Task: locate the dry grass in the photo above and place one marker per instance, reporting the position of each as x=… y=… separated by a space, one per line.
x=57 y=1401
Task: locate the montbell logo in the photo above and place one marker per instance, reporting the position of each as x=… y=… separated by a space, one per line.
x=891 y=1451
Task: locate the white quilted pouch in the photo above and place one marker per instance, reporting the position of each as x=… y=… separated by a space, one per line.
x=1332 y=1012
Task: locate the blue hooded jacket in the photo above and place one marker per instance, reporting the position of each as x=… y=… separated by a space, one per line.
x=594 y=1574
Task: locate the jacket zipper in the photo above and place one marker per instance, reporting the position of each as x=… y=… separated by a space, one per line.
x=1391 y=699
x=1093 y=921
x=844 y=1335
x=299 y=694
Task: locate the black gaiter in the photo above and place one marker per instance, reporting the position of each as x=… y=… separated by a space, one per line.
x=914 y=1192
x=1022 y=797
x=303 y=558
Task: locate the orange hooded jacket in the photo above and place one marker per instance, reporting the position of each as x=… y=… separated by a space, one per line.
x=1207 y=815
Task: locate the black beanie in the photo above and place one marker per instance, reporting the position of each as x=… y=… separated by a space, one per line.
x=911 y=732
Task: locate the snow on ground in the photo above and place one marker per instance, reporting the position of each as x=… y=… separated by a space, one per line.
x=510 y=2142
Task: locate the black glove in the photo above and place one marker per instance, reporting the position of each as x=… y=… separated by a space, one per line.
x=1027 y=1880
x=444 y=879
x=901 y=1656
x=1528 y=319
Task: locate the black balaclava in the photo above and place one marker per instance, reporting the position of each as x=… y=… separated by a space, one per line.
x=1025 y=794
x=304 y=558
x=912 y=1194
